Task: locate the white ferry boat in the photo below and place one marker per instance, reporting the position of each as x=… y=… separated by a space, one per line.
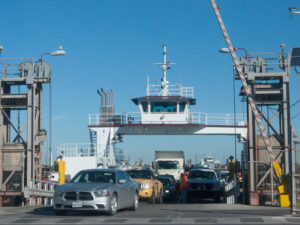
x=165 y=110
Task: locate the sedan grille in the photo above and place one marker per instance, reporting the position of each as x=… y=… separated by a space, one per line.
x=83 y=196
x=70 y=196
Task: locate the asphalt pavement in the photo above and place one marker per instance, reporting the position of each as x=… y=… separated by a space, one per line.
x=156 y=214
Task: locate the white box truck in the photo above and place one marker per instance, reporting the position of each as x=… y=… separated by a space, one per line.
x=169 y=162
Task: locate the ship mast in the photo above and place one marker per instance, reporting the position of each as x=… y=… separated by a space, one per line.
x=165 y=66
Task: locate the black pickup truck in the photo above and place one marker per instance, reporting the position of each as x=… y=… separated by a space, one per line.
x=204 y=183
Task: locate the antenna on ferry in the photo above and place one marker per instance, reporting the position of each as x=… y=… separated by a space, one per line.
x=165 y=66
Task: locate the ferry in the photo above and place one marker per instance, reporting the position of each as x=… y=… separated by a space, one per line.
x=165 y=110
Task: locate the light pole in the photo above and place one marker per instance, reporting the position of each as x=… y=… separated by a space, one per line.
x=226 y=50
x=58 y=52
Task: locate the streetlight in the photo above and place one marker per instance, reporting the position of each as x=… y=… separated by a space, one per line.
x=226 y=50
x=1 y=49
x=58 y=52
x=293 y=10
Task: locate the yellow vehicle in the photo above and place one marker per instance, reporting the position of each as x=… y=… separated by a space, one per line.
x=151 y=188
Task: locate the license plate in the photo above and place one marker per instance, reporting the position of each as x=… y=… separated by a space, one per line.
x=76 y=204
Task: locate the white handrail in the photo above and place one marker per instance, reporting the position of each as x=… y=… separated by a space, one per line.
x=76 y=149
x=193 y=118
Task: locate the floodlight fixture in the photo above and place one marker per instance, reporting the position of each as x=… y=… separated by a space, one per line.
x=226 y=50
x=293 y=10
x=58 y=52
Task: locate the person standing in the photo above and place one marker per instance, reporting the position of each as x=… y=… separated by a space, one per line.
x=183 y=188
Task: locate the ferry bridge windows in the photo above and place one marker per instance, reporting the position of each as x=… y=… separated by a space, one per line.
x=145 y=106
x=182 y=106
x=163 y=107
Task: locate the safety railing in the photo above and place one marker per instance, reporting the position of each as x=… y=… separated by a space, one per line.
x=13 y=67
x=173 y=90
x=39 y=192
x=217 y=119
x=264 y=63
x=105 y=119
x=193 y=118
x=76 y=149
x=232 y=192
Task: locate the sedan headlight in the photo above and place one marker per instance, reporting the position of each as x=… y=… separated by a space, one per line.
x=102 y=193
x=147 y=185
x=59 y=193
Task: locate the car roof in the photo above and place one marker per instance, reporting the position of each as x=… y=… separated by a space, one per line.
x=224 y=171
x=105 y=170
x=205 y=170
x=140 y=169
x=166 y=175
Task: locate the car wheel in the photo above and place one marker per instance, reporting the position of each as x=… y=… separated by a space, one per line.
x=113 y=205
x=60 y=212
x=152 y=198
x=135 y=202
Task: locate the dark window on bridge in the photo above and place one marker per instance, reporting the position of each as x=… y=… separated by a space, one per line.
x=182 y=106
x=163 y=107
x=145 y=106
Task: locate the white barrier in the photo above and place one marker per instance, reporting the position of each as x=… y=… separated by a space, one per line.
x=42 y=191
x=232 y=192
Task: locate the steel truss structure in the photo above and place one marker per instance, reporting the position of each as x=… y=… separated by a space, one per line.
x=267 y=76
x=21 y=133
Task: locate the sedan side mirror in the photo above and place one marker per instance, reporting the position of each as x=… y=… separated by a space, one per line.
x=122 y=181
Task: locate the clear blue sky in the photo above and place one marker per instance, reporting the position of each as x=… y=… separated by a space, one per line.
x=112 y=44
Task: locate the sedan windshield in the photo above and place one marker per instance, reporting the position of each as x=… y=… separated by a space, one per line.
x=202 y=174
x=145 y=174
x=94 y=177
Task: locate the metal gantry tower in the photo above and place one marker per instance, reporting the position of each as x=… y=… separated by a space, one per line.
x=267 y=76
x=265 y=82
x=21 y=84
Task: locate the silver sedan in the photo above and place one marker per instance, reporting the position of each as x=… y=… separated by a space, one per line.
x=97 y=190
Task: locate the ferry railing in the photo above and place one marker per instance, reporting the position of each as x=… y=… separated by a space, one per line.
x=173 y=90
x=132 y=118
x=76 y=149
x=217 y=119
x=106 y=119
x=193 y=118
